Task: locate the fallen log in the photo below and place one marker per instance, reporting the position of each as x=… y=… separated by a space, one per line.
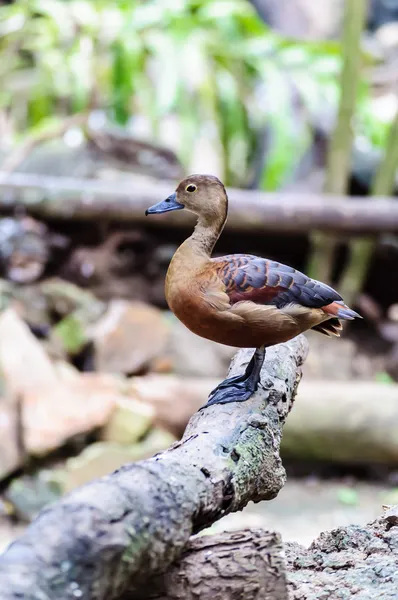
x=245 y=564
x=335 y=421
x=354 y=422
x=112 y=535
x=49 y=197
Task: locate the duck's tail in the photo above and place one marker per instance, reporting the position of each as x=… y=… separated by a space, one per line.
x=331 y=327
x=341 y=311
x=337 y=310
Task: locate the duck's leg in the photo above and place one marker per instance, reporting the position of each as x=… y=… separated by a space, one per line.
x=241 y=387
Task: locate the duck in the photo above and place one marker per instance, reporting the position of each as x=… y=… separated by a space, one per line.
x=239 y=300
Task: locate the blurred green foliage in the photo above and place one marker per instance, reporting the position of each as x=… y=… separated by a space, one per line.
x=199 y=62
x=384 y=377
x=349 y=496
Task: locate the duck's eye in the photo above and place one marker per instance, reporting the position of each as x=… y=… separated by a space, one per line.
x=191 y=188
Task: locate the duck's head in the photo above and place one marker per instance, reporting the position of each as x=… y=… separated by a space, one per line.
x=203 y=195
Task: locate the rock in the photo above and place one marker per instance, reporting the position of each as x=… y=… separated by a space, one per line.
x=24 y=365
x=23 y=248
x=9 y=530
x=29 y=494
x=64 y=298
x=32 y=307
x=104 y=153
x=129 y=422
x=54 y=349
x=194 y=356
x=122 y=150
x=352 y=561
x=10 y=451
x=6 y=293
x=157 y=440
x=111 y=381
x=174 y=399
x=163 y=364
x=129 y=337
x=121 y=254
x=66 y=371
x=51 y=414
x=102 y=458
x=391 y=515
x=28 y=302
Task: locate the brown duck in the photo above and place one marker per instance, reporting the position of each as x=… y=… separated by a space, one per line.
x=239 y=300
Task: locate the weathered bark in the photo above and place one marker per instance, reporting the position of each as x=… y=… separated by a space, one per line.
x=245 y=564
x=65 y=198
x=111 y=535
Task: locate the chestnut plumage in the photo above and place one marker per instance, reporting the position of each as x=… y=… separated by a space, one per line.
x=240 y=300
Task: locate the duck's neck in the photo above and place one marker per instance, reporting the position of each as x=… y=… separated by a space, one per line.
x=206 y=234
x=192 y=255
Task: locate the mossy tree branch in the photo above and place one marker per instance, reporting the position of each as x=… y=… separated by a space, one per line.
x=113 y=535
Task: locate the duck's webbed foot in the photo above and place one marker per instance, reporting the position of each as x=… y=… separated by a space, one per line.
x=241 y=387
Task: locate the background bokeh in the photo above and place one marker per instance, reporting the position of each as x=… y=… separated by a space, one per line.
x=104 y=106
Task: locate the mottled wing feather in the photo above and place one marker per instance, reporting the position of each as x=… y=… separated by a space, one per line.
x=265 y=281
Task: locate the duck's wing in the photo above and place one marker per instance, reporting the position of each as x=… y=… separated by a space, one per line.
x=263 y=281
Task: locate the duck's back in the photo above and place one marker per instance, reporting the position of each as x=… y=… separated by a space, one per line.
x=264 y=281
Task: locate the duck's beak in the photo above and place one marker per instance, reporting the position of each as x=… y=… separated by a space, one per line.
x=165 y=206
